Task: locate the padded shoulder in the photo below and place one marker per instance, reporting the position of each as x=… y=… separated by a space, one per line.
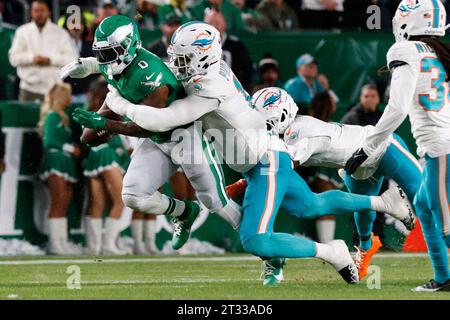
x=404 y=52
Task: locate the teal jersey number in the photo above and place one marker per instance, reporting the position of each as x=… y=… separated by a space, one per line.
x=429 y=64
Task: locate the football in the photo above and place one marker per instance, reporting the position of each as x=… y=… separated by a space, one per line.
x=95 y=137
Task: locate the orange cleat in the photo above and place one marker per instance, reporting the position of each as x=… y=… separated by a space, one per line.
x=364 y=257
x=236 y=189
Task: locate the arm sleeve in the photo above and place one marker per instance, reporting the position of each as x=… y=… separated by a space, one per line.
x=19 y=53
x=178 y=113
x=403 y=86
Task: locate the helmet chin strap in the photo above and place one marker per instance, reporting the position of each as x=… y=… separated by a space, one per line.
x=447 y=26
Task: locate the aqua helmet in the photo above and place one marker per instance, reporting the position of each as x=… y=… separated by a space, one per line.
x=116 y=43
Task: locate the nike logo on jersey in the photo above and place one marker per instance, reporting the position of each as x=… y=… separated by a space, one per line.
x=155 y=83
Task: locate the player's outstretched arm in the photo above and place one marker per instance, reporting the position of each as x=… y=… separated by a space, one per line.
x=80 y=68
x=178 y=113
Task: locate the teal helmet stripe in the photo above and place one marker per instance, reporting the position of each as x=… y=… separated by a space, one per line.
x=435 y=14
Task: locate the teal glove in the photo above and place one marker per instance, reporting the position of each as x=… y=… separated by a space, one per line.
x=89 y=119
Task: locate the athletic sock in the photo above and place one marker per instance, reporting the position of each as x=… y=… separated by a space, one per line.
x=325 y=230
x=231 y=213
x=365 y=242
x=137 y=228
x=323 y=251
x=377 y=204
x=176 y=208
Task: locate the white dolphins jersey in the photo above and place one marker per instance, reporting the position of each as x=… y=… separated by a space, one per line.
x=422 y=92
x=239 y=131
x=318 y=143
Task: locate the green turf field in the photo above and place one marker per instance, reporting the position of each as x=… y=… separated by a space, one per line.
x=205 y=277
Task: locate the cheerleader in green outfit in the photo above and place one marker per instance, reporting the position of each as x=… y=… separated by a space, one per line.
x=104 y=170
x=59 y=166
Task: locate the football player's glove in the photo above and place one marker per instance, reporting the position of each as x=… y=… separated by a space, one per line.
x=89 y=119
x=80 y=68
x=355 y=161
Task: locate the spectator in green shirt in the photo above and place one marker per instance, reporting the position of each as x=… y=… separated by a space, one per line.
x=231 y=13
x=176 y=8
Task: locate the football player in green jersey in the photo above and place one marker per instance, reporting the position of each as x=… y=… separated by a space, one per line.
x=141 y=77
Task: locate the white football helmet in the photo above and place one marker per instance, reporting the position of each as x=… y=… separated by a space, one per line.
x=277 y=107
x=194 y=47
x=419 y=18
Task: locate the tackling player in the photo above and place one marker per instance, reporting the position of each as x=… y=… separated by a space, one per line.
x=216 y=97
x=317 y=143
x=420 y=65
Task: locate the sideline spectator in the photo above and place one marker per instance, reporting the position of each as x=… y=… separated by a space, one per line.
x=366 y=112
x=149 y=12
x=105 y=9
x=12 y=11
x=234 y=52
x=175 y=8
x=253 y=19
x=169 y=25
x=322 y=14
x=269 y=74
x=39 y=49
x=104 y=170
x=324 y=179
x=59 y=168
x=281 y=16
x=78 y=36
x=231 y=13
x=307 y=83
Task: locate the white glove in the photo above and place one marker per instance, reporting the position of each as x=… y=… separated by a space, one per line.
x=116 y=102
x=80 y=68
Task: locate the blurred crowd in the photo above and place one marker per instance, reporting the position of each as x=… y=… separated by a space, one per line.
x=252 y=15
x=41 y=47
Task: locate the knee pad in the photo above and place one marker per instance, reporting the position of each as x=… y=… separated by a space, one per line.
x=257 y=244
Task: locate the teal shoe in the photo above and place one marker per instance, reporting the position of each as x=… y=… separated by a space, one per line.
x=182 y=228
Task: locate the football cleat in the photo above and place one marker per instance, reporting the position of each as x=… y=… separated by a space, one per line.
x=182 y=228
x=433 y=286
x=342 y=261
x=398 y=206
x=236 y=189
x=273 y=271
x=364 y=257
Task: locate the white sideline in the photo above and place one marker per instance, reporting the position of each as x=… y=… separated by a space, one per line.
x=174 y=259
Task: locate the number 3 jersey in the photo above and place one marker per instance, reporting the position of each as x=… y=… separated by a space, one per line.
x=429 y=110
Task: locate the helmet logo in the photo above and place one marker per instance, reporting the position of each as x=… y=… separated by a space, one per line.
x=203 y=41
x=271 y=99
x=407 y=9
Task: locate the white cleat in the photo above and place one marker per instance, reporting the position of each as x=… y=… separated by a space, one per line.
x=398 y=206
x=342 y=261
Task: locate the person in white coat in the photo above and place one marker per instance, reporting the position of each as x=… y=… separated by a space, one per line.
x=39 y=49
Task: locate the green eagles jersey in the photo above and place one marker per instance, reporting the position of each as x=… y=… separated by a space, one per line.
x=142 y=77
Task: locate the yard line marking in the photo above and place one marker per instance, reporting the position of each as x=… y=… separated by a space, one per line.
x=177 y=259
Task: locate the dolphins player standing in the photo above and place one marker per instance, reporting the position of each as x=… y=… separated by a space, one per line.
x=420 y=66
